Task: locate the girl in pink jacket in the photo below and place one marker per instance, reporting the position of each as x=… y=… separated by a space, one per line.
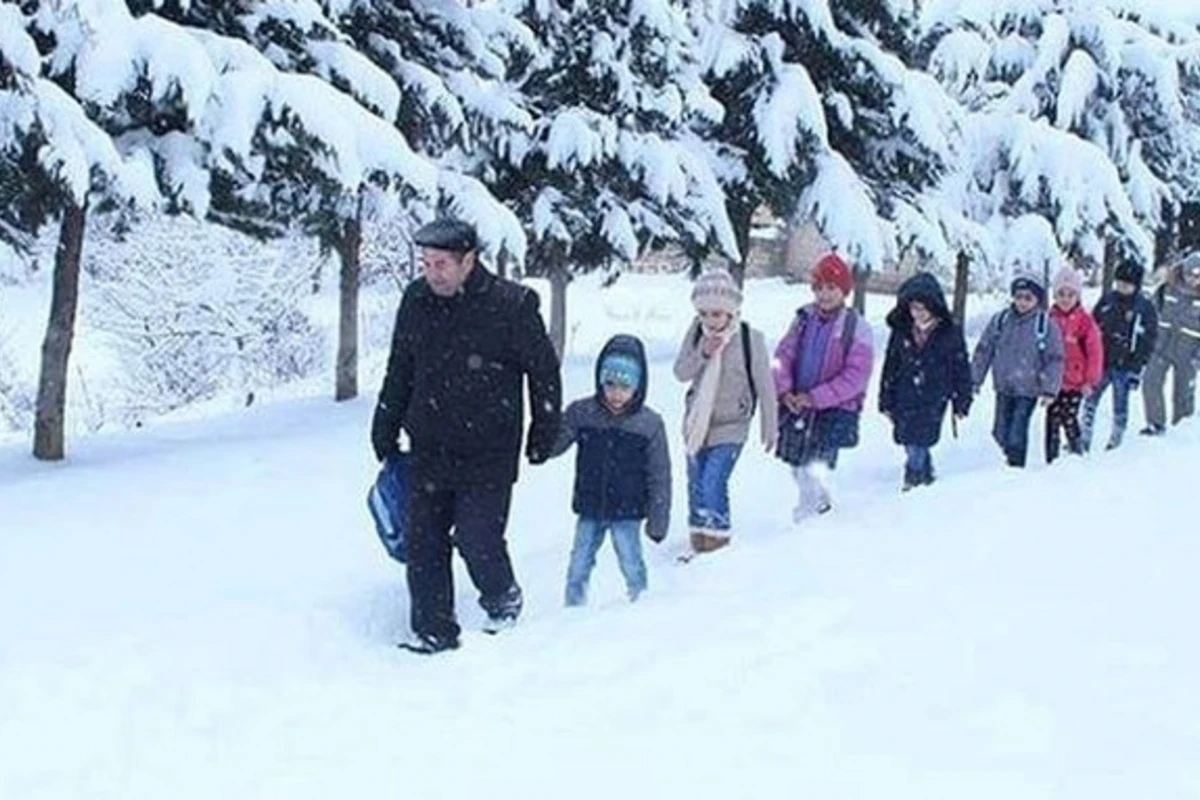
x=1083 y=348
x=822 y=366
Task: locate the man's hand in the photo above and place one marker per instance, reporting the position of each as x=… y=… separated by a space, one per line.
x=653 y=535
x=1046 y=400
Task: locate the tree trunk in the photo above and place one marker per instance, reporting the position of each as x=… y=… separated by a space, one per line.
x=348 y=247
x=741 y=216
x=48 y=432
x=962 y=275
x=559 y=278
x=1110 y=266
x=860 y=290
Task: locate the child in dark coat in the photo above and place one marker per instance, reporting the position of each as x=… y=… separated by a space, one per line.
x=1129 y=327
x=926 y=369
x=622 y=468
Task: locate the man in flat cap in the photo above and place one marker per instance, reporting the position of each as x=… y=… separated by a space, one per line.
x=464 y=342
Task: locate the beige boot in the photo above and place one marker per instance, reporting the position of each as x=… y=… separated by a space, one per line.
x=716 y=540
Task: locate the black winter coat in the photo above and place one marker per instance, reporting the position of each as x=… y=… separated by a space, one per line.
x=1129 y=326
x=454 y=383
x=919 y=382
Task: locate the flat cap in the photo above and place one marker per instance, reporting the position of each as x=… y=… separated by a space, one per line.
x=447 y=233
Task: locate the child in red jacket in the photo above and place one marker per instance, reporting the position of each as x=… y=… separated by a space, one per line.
x=1084 y=366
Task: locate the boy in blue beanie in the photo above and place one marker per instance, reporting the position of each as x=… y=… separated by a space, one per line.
x=622 y=469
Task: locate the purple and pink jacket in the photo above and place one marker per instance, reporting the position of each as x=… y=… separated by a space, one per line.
x=842 y=381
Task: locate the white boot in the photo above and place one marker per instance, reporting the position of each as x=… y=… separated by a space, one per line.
x=814 y=497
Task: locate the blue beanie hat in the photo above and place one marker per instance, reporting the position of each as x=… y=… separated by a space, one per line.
x=622 y=369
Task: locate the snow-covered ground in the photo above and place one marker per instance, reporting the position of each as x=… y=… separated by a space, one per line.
x=199 y=609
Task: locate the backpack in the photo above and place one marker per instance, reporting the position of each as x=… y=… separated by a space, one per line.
x=1043 y=326
x=745 y=356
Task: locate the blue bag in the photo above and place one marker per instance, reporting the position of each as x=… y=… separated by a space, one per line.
x=388 y=502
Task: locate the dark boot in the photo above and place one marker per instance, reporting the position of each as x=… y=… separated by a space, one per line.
x=428 y=644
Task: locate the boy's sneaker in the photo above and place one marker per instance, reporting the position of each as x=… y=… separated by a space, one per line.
x=500 y=622
x=427 y=644
x=1153 y=430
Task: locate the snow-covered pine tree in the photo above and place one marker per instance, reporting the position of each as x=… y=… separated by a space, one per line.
x=607 y=166
x=55 y=165
x=824 y=120
x=449 y=61
x=1079 y=114
x=310 y=168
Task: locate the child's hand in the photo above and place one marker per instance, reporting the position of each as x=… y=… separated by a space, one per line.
x=1046 y=400
x=797 y=401
x=709 y=345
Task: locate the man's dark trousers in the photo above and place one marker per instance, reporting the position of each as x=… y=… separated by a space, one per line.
x=478 y=516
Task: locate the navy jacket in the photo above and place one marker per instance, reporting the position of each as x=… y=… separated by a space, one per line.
x=919 y=382
x=622 y=463
x=1129 y=326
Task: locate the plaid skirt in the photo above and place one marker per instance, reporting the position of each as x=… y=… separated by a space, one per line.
x=816 y=436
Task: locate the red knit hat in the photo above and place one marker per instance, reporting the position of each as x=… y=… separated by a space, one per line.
x=832 y=269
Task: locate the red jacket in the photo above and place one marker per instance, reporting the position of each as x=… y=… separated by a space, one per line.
x=1083 y=346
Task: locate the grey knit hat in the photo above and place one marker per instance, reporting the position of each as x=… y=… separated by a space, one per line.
x=716 y=290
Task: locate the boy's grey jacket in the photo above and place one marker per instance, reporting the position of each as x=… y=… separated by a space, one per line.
x=1020 y=365
x=1178 y=322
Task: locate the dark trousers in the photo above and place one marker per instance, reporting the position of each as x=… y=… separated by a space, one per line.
x=918 y=466
x=478 y=517
x=1062 y=417
x=1011 y=429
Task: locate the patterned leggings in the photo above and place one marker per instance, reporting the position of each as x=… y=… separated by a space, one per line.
x=1062 y=416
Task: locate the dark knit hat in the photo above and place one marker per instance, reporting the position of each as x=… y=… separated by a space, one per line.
x=1129 y=271
x=447 y=233
x=1028 y=283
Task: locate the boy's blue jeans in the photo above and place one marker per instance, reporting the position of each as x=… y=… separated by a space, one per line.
x=1011 y=430
x=708 y=486
x=1120 y=381
x=589 y=535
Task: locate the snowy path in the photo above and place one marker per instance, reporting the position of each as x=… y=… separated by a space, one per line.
x=200 y=610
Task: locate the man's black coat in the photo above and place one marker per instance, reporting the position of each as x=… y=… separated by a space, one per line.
x=454 y=383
